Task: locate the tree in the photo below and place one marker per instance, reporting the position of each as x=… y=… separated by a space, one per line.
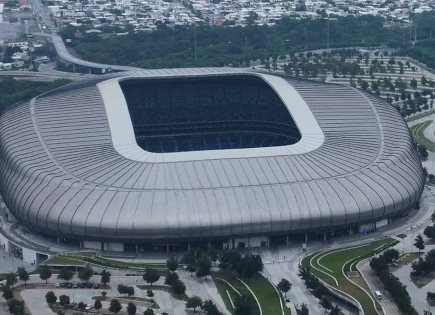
x=423 y=80
x=23 y=275
x=191 y=268
x=210 y=308
x=85 y=274
x=16 y=307
x=151 y=275
x=244 y=305
x=203 y=266
x=98 y=305
x=419 y=242
x=230 y=260
x=131 y=308
x=122 y=289
x=284 y=286
x=7 y=293
x=429 y=231
x=250 y=265
x=179 y=288
x=194 y=302
x=11 y=279
x=105 y=277
x=50 y=297
x=115 y=306
x=45 y=273
x=171 y=278
x=148 y=311
x=391 y=255
x=304 y=309
x=423 y=152
x=65 y=274
x=335 y=311
x=413 y=83
x=172 y=264
x=64 y=300
x=364 y=85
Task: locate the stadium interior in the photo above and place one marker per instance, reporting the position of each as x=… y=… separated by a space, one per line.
x=207 y=113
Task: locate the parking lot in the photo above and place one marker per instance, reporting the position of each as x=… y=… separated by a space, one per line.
x=35 y=298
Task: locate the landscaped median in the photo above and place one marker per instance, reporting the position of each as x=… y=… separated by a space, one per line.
x=266 y=297
x=82 y=258
x=417 y=132
x=337 y=268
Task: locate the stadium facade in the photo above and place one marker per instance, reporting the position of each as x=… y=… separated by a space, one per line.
x=217 y=154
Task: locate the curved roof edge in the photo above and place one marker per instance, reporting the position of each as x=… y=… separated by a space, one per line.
x=124 y=140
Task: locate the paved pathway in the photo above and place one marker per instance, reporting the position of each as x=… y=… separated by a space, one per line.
x=283 y=263
x=204 y=288
x=375 y=284
x=418 y=296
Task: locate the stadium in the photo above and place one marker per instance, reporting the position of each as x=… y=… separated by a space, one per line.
x=226 y=156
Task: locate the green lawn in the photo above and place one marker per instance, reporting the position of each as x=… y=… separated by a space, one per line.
x=408 y=258
x=419 y=116
x=402 y=235
x=263 y=290
x=266 y=294
x=78 y=259
x=64 y=260
x=417 y=133
x=165 y=288
x=333 y=262
x=422 y=281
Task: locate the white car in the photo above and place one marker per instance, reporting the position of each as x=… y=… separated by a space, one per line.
x=57 y=285
x=88 y=307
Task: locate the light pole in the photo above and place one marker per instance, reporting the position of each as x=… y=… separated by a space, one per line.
x=327 y=36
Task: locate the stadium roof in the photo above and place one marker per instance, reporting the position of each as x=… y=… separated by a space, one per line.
x=124 y=140
x=69 y=166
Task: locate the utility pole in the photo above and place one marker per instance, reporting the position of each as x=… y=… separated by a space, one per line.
x=410 y=31
x=327 y=37
x=194 y=31
x=306 y=38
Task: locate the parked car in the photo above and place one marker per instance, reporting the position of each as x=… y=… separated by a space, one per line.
x=63 y=285
x=75 y=285
x=69 y=285
x=90 y=285
x=96 y=286
x=57 y=285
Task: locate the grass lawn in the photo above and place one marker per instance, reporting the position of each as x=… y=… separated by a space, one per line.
x=165 y=288
x=121 y=264
x=139 y=301
x=422 y=281
x=64 y=260
x=334 y=262
x=417 y=133
x=266 y=294
x=77 y=259
x=407 y=258
x=418 y=116
x=263 y=290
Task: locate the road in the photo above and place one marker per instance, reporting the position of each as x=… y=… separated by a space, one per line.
x=46 y=76
x=42 y=15
x=64 y=54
